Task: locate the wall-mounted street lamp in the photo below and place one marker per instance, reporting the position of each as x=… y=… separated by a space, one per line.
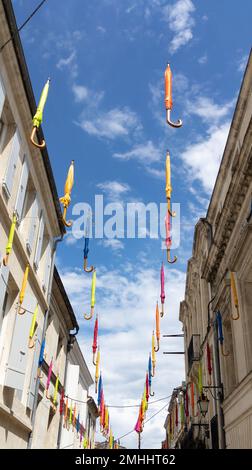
x=203 y=404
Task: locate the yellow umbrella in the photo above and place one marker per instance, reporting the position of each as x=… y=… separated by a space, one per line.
x=21 y=311
x=153 y=354
x=32 y=329
x=93 y=289
x=111 y=439
x=97 y=366
x=55 y=396
x=106 y=418
x=10 y=239
x=235 y=296
x=38 y=117
x=66 y=199
x=168 y=187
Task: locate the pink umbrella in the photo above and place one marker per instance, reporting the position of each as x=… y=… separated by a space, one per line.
x=162 y=294
x=168 y=240
x=49 y=378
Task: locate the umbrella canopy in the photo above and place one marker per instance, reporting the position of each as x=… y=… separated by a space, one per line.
x=149 y=370
x=24 y=283
x=10 y=240
x=38 y=117
x=168 y=87
x=100 y=387
x=66 y=199
x=219 y=323
x=56 y=390
x=62 y=398
x=168 y=188
x=162 y=284
x=49 y=375
x=93 y=288
x=41 y=355
x=209 y=362
x=147 y=386
x=32 y=329
x=94 y=346
x=168 y=240
x=157 y=323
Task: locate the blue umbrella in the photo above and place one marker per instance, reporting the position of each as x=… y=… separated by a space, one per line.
x=150 y=375
x=220 y=332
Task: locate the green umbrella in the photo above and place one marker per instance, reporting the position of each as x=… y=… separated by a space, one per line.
x=38 y=117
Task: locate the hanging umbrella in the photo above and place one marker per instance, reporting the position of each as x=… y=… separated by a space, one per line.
x=10 y=239
x=220 y=336
x=78 y=424
x=93 y=288
x=110 y=438
x=168 y=187
x=153 y=355
x=32 y=329
x=21 y=310
x=55 y=395
x=150 y=375
x=157 y=328
x=147 y=386
x=168 y=240
x=49 y=379
x=71 y=413
x=97 y=365
x=38 y=117
x=66 y=413
x=86 y=246
x=102 y=412
x=85 y=441
x=168 y=98
x=74 y=417
x=94 y=346
x=41 y=358
x=62 y=398
x=235 y=296
x=162 y=285
x=99 y=390
x=66 y=199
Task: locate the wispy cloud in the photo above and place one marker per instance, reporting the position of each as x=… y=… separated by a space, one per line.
x=114 y=190
x=181 y=23
x=113 y=243
x=145 y=153
x=242 y=62
x=203 y=59
x=208 y=110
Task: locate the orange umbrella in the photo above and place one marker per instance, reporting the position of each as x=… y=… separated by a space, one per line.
x=168 y=98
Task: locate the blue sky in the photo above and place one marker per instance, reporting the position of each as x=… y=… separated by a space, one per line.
x=105 y=110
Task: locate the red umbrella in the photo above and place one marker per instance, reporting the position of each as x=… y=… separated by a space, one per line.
x=94 y=346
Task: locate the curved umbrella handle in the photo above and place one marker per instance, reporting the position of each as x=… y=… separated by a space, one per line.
x=157 y=349
x=88 y=317
x=39 y=146
x=151 y=393
x=68 y=223
x=47 y=394
x=238 y=314
x=169 y=257
x=171 y=213
x=170 y=122
x=5 y=260
x=162 y=310
x=94 y=361
x=86 y=269
x=31 y=343
x=222 y=351
x=39 y=374
x=21 y=310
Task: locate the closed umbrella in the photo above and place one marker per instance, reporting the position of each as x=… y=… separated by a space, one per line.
x=168 y=240
x=38 y=117
x=94 y=346
x=235 y=296
x=86 y=246
x=153 y=354
x=49 y=379
x=10 y=240
x=32 y=329
x=220 y=333
x=21 y=310
x=168 y=98
x=93 y=289
x=97 y=365
x=41 y=357
x=209 y=364
x=162 y=286
x=157 y=328
x=150 y=375
x=66 y=199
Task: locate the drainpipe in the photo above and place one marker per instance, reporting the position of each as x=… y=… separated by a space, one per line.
x=35 y=403
x=218 y=383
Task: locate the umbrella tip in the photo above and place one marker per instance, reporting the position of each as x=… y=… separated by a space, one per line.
x=49 y=79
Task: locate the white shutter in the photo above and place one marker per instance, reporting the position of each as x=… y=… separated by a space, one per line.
x=12 y=164
x=2 y=97
x=72 y=381
x=16 y=366
x=33 y=225
x=34 y=372
x=39 y=241
x=22 y=190
x=48 y=263
x=4 y=276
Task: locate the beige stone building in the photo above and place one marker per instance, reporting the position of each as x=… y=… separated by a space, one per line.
x=219 y=294
x=28 y=192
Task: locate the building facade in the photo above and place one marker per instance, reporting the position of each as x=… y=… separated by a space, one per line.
x=217 y=310
x=35 y=313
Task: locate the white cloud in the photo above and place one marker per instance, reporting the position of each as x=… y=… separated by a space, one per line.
x=101 y=29
x=145 y=153
x=180 y=21
x=113 y=243
x=126 y=302
x=81 y=93
x=67 y=61
x=202 y=159
x=242 y=62
x=203 y=59
x=114 y=189
x=208 y=110
x=111 y=124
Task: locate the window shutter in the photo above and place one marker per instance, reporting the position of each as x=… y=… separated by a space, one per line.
x=16 y=366
x=72 y=380
x=12 y=164
x=39 y=241
x=22 y=190
x=34 y=372
x=2 y=97
x=33 y=225
x=4 y=276
x=48 y=262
